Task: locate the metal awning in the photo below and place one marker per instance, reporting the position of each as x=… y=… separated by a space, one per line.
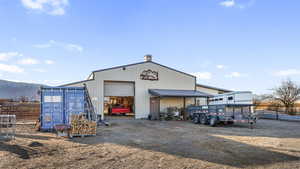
x=177 y=93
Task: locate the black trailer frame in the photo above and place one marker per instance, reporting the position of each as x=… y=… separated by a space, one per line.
x=216 y=114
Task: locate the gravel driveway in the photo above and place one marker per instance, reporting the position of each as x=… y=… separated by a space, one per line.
x=159 y=144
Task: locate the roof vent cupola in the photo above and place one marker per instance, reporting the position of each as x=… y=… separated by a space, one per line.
x=148 y=58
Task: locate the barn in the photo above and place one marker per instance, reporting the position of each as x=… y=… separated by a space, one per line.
x=143 y=88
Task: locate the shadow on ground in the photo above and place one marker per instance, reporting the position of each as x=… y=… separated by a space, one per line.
x=32 y=150
x=16 y=149
x=37 y=137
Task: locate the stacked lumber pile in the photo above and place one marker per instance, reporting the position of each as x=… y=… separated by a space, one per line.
x=80 y=126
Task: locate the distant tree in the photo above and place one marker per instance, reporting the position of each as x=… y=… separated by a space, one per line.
x=24 y=99
x=275 y=105
x=259 y=99
x=287 y=93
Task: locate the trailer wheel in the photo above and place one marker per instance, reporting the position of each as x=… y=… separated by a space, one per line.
x=230 y=122
x=203 y=120
x=196 y=119
x=213 y=122
x=251 y=125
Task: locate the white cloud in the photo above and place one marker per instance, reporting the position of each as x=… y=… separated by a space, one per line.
x=58 y=11
x=40 y=70
x=11 y=68
x=4 y=56
x=54 y=82
x=51 y=7
x=68 y=46
x=227 y=3
x=74 y=47
x=235 y=75
x=234 y=3
x=28 y=61
x=49 y=62
x=49 y=44
x=203 y=75
x=221 y=66
x=246 y=5
x=32 y=4
x=288 y=72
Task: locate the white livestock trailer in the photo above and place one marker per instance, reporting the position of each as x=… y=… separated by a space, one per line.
x=232 y=98
x=227 y=108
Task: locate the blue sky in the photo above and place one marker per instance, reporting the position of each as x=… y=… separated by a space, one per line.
x=234 y=44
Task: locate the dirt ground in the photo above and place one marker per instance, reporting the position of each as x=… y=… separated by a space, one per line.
x=136 y=144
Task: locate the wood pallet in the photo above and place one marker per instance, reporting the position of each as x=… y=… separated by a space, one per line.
x=81 y=135
x=80 y=126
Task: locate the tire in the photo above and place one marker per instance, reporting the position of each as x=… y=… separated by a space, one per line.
x=203 y=120
x=251 y=125
x=213 y=122
x=230 y=122
x=196 y=120
x=149 y=117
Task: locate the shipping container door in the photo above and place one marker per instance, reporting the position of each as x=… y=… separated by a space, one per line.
x=52 y=108
x=74 y=103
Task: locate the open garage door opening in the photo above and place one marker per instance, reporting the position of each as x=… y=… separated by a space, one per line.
x=119 y=98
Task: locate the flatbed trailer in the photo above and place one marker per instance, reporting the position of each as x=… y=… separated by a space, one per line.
x=227 y=114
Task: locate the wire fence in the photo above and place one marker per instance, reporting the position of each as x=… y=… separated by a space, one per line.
x=267 y=114
x=7 y=126
x=22 y=110
x=278 y=108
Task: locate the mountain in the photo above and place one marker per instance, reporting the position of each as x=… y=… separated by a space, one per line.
x=17 y=90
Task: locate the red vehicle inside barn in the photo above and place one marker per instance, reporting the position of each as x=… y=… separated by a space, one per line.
x=120 y=110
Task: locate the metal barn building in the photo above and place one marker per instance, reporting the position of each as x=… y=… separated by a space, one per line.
x=143 y=88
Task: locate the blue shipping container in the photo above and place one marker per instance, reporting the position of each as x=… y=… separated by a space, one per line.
x=59 y=103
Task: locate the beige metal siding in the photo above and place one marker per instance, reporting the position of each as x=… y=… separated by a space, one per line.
x=207 y=90
x=201 y=101
x=168 y=79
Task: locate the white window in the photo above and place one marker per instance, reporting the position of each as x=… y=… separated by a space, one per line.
x=53 y=99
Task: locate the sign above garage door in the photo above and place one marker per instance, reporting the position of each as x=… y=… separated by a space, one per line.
x=118 y=89
x=149 y=75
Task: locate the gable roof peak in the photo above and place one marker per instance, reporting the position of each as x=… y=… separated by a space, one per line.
x=150 y=61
